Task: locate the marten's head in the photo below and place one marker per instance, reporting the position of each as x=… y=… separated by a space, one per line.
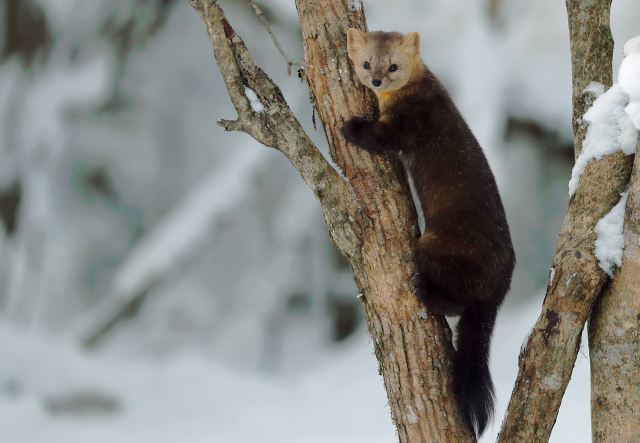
x=384 y=61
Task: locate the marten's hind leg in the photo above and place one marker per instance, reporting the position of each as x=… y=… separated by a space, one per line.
x=437 y=300
x=453 y=269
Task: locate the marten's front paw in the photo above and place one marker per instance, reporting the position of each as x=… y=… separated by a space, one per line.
x=352 y=129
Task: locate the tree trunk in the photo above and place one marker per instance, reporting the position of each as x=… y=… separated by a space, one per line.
x=547 y=360
x=614 y=339
x=370 y=215
x=411 y=346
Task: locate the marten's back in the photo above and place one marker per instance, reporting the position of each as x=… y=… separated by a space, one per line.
x=452 y=177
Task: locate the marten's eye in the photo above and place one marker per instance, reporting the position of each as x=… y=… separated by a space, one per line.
x=393 y=68
x=366 y=65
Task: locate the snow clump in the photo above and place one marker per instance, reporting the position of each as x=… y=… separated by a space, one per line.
x=256 y=104
x=610 y=129
x=610 y=241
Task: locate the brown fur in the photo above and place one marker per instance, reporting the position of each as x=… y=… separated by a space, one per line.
x=465 y=256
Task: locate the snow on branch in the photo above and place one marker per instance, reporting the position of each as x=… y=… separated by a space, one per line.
x=629 y=79
x=610 y=129
x=610 y=242
x=178 y=235
x=631 y=46
x=255 y=102
x=614 y=118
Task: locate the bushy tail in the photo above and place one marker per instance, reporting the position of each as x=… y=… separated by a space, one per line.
x=472 y=383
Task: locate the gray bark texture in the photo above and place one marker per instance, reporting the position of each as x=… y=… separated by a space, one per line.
x=547 y=359
x=614 y=339
x=370 y=216
x=591 y=56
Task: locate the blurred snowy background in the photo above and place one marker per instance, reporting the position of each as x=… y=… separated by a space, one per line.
x=162 y=280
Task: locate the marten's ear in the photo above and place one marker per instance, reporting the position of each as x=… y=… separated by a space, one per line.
x=411 y=44
x=355 y=41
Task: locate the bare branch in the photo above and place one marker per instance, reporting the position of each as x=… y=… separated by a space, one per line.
x=591 y=57
x=225 y=58
x=126 y=311
x=278 y=128
x=264 y=21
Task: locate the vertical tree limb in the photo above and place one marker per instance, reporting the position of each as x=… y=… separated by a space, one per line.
x=413 y=348
x=591 y=57
x=547 y=360
x=614 y=339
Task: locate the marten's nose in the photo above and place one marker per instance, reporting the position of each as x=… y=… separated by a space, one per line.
x=376 y=82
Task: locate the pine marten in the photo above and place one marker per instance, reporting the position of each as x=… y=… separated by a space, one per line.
x=465 y=257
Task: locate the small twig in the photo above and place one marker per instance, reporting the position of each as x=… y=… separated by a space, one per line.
x=273 y=37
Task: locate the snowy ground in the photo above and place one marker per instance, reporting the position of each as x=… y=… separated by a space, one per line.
x=188 y=399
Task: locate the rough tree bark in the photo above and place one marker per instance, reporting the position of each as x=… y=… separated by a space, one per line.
x=591 y=56
x=614 y=339
x=547 y=360
x=406 y=339
x=369 y=215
